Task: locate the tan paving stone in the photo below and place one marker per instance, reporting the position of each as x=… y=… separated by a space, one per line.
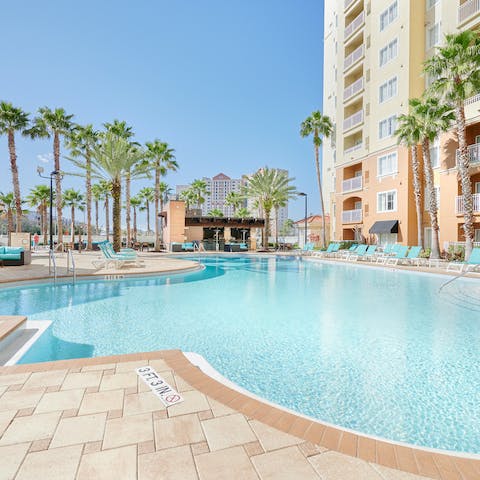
x=82 y=380
x=115 y=414
x=146 y=447
x=166 y=375
x=83 y=429
x=142 y=403
x=115 y=464
x=228 y=431
x=72 y=412
x=176 y=431
x=130 y=366
x=253 y=448
x=101 y=402
x=3 y=388
x=11 y=458
x=40 y=445
x=199 y=448
x=13 y=379
x=285 y=464
x=63 y=400
x=55 y=388
x=182 y=385
x=159 y=365
x=102 y=366
x=194 y=402
x=232 y=463
x=14 y=388
x=205 y=415
x=25 y=412
x=24 y=429
x=333 y=465
x=119 y=380
x=128 y=430
x=57 y=464
x=309 y=449
x=171 y=463
x=20 y=399
x=219 y=409
x=92 y=447
x=5 y=419
x=45 y=379
x=391 y=474
x=272 y=439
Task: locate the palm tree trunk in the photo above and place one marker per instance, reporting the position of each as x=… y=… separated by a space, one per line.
x=15 y=180
x=157 y=199
x=58 y=187
x=276 y=226
x=128 y=181
x=134 y=224
x=73 y=225
x=10 y=220
x=417 y=192
x=107 y=216
x=160 y=220
x=267 y=227
x=96 y=217
x=465 y=179
x=147 y=206
x=319 y=181
x=88 y=187
x=44 y=221
x=432 y=206
x=117 y=212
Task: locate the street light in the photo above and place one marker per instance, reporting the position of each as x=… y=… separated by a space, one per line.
x=301 y=194
x=40 y=170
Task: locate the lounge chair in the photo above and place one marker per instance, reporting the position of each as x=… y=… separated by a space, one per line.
x=470 y=265
x=388 y=252
x=118 y=260
x=188 y=247
x=413 y=256
x=400 y=254
x=370 y=253
x=125 y=252
x=331 y=249
x=346 y=252
x=243 y=247
x=358 y=252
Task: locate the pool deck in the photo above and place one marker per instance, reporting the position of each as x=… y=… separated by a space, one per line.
x=94 y=418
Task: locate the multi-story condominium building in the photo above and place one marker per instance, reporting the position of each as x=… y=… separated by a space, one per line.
x=374 y=54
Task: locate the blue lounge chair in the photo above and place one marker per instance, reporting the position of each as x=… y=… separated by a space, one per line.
x=188 y=247
x=470 y=265
x=243 y=246
x=358 y=252
x=370 y=253
x=331 y=249
x=413 y=256
x=346 y=252
x=118 y=260
x=400 y=254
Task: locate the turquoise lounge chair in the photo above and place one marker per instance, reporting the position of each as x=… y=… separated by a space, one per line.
x=413 y=256
x=188 y=247
x=370 y=253
x=400 y=254
x=118 y=260
x=358 y=252
x=347 y=252
x=470 y=265
x=331 y=249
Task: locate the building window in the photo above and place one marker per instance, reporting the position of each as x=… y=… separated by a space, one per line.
x=433 y=35
x=389 y=52
x=431 y=3
x=387 y=127
x=387 y=164
x=435 y=154
x=388 y=89
x=388 y=16
x=387 y=201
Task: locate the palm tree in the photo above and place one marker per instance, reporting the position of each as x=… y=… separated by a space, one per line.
x=54 y=123
x=111 y=158
x=106 y=188
x=187 y=196
x=216 y=212
x=147 y=194
x=13 y=119
x=74 y=199
x=7 y=200
x=81 y=142
x=199 y=188
x=433 y=118
x=234 y=199
x=265 y=187
x=97 y=195
x=120 y=128
x=165 y=192
x=162 y=160
x=409 y=135
x=243 y=213
x=39 y=198
x=318 y=125
x=135 y=202
x=456 y=69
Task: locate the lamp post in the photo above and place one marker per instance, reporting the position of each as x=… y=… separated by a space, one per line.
x=301 y=194
x=40 y=170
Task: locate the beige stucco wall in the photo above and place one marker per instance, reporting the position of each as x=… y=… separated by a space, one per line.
x=174 y=230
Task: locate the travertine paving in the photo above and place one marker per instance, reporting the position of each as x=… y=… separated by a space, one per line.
x=96 y=419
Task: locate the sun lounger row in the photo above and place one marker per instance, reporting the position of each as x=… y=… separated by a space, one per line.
x=126 y=256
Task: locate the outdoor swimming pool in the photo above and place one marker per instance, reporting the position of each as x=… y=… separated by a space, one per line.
x=373 y=350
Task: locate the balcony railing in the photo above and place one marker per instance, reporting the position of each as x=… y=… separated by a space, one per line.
x=354 y=57
x=474 y=99
x=353 y=120
x=353 y=89
x=468 y=9
x=350 y=150
x=459 y=203
x=352 y=216
x=473 y=153
x=354 y=25
x=352 y=184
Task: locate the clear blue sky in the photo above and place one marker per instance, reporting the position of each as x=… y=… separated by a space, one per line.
x=226 y=83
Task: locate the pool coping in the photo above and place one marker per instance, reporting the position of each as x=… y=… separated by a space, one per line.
x=434 y=464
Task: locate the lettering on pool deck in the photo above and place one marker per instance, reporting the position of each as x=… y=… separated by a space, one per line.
x=168 y=395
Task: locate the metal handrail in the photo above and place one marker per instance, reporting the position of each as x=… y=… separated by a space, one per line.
x=71 y=260
x=52 y=263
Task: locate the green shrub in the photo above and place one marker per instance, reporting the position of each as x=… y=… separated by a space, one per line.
x=426 y=253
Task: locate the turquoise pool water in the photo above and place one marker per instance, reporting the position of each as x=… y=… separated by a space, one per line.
x=372 y=350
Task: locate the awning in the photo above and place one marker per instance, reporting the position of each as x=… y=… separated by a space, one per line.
x=385 y=226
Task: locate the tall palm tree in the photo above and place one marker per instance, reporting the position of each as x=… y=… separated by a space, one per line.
x=409 y=134
x=234 y=199
x=165 y=192
x=97 y=195
x=265 y=187
x=7 y=201
x=135 y=202
x=216 y=212
x=13 y=119
x=162 y=160
x=188 y=197
x=456 y=69
x=147 y=194
x=74 y=199
x=433 y=117
x=319 y=126
x=199 y=189
x=39 y=198
x=106 y=188
x=53 y=123
x=243 y=213
x=81 y=142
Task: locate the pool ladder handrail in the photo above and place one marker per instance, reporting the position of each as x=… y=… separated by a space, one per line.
x=52 y=264
x=71 y=261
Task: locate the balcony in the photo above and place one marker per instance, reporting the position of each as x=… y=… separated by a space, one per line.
x=353 y=89
x=354 y=25
x=473 y=153
x=353 y=120
x=354 y=57
x=351 y=185
x=467 y=10
x=459 y=204
x=350 y=150
x=352 y=216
